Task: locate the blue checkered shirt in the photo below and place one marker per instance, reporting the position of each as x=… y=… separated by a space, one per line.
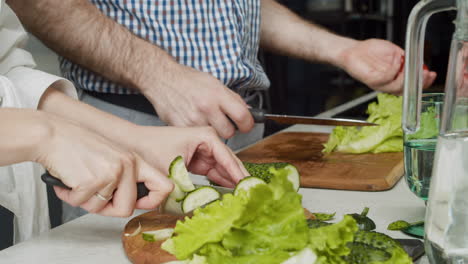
x=220 y=37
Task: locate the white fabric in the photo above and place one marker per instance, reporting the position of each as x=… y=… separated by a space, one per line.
x=21 y=190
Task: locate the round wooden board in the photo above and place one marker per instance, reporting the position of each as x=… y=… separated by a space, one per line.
x=140 y=251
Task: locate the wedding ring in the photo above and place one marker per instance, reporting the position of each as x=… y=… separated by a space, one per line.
x=102 y=197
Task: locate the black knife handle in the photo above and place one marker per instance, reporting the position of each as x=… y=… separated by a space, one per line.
x=142 y=191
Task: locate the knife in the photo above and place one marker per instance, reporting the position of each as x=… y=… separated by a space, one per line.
x=260 y=116
x=142 y=190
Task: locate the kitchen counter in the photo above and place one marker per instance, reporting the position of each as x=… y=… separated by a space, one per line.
x=96 y=239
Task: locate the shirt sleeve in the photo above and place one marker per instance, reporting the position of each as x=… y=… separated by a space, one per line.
x=31 y=84
x=17 y=64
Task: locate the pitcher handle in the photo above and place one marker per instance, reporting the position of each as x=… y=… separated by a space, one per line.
x=414 y=49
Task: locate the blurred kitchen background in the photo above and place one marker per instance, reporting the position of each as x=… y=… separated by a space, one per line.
x=302 y=88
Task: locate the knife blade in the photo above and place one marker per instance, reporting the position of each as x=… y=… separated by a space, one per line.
x=142 y=190
x=260 y=116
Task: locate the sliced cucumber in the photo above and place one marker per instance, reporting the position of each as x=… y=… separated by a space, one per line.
x=168 y=246
x=179 y=174
x=173 y=207
x=158 y=235
x=293 y=176
x=199 y=197
x=173 y=204
x=247 y=183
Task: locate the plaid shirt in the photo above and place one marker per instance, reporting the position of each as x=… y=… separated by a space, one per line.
x=220 y=37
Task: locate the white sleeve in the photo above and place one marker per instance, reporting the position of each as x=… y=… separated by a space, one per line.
x=17 y=64
x=31 y=84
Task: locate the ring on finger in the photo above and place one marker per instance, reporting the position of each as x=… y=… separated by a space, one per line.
x=102 y=197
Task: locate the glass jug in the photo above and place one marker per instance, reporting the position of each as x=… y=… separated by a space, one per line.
x=446 y=227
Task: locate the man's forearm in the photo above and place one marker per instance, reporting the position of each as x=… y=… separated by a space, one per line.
x=78 y=31
x=284 y=32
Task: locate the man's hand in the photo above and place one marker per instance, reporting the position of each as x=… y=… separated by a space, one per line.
x=188 y=97
x=202 y=150
x=90 y=165
x=377 y=63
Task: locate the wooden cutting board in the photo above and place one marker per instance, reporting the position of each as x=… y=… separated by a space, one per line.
x=360 y=172
x=140 y=251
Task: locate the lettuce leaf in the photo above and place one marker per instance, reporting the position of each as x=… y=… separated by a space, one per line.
x=273 y=220
x=429 y=125
x=386 y=137
x=208 y=225
x=329 y=242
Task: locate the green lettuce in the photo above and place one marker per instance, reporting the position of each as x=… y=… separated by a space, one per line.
x=263 y=225
x=386 y=137
x=429 y=125
x=330 y=242
x=208 y=225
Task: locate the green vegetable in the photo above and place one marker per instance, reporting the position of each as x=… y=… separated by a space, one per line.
x=179 y=175
x=199 y=197
x=364 y=253
x=386 y=137
x=402 y=225
x=314 y=223
x=330 y=242
x=429 y=127
x=265 y=224
x=364 y=222
x=323 y=216
x=383 y=242
x=264 y=171
x=157 y=235
x=208 y=225
x=247 y=183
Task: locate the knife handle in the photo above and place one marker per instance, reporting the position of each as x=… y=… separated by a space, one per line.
x=142 y=191
x=257 y=114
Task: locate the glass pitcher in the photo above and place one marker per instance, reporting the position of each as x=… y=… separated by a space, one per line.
x=446 y=227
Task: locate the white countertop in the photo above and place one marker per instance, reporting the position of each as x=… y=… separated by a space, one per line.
x=96 y=239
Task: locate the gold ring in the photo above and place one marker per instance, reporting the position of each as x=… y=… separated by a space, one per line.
x=102 y=197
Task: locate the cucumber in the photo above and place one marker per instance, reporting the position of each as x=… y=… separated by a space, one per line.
x=157 y=235
x=173 y=204
x=179 y=175
x=247 y=183
x=265 y=171
x=293 y=176
x=199 y=197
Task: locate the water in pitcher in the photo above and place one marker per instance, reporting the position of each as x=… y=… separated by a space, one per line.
x=447 y=216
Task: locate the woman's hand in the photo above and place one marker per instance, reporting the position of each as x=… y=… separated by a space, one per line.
x=98 y=170
x=204 y=153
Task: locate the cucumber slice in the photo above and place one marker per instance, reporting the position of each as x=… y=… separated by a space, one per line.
x=157 y=235
x=199 y=197
x=247 y=183
x=293 y=176
x=173 y=204
x=179 y=174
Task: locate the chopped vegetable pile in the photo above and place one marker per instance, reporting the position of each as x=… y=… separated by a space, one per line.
x=386 y=137
x=265 y=223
